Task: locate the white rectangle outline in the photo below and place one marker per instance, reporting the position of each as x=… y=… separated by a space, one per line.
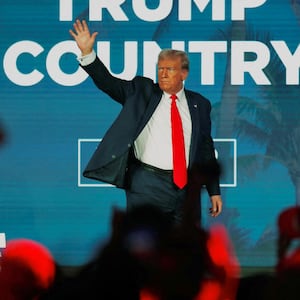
x=2 y=240
x=79 y=141
x=234 y=184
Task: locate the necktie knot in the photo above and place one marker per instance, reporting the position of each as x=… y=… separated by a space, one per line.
x=173 y=97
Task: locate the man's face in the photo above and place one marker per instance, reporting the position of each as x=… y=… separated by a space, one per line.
x=171 y=75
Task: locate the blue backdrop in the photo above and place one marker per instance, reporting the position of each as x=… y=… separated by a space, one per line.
x=244 y=59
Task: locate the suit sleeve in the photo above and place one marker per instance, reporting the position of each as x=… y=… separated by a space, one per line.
x=115 y=87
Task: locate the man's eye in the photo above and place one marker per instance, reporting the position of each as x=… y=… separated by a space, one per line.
x=169 y=69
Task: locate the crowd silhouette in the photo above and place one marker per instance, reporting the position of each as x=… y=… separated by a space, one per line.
x=148 y=258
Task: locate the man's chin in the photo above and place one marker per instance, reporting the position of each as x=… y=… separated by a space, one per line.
x=165 y=88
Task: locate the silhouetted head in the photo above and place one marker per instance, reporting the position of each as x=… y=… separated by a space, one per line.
x=27 y=270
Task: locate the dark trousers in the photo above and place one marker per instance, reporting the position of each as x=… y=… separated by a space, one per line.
x=149 y=185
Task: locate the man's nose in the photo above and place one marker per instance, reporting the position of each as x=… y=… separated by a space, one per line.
x=165 y=72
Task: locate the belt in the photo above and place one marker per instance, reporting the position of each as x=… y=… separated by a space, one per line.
x=154 y=169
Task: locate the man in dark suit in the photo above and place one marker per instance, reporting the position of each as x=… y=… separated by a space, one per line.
x=136 y=152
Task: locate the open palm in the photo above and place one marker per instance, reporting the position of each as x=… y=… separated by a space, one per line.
x=81 y=34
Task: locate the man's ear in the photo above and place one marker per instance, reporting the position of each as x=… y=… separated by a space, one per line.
x=184 y=74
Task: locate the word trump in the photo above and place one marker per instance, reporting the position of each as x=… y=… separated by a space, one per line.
x=161 y=11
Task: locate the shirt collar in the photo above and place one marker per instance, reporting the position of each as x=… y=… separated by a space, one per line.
x=178 y=94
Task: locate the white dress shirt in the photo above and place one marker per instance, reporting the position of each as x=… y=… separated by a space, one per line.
x=154 y=144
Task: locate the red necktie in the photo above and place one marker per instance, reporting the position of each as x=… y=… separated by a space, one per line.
x=179 y=162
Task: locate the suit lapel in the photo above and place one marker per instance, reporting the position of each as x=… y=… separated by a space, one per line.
x=152 y=105
x=194 y=109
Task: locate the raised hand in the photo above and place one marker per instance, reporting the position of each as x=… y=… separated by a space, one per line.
x=81 y=34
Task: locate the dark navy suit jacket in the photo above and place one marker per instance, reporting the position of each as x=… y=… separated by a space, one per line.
x=139 y=98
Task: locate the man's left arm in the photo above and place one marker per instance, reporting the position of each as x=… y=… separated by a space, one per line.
x=212 y=171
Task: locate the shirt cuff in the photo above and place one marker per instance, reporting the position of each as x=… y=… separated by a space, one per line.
x=87 y=59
